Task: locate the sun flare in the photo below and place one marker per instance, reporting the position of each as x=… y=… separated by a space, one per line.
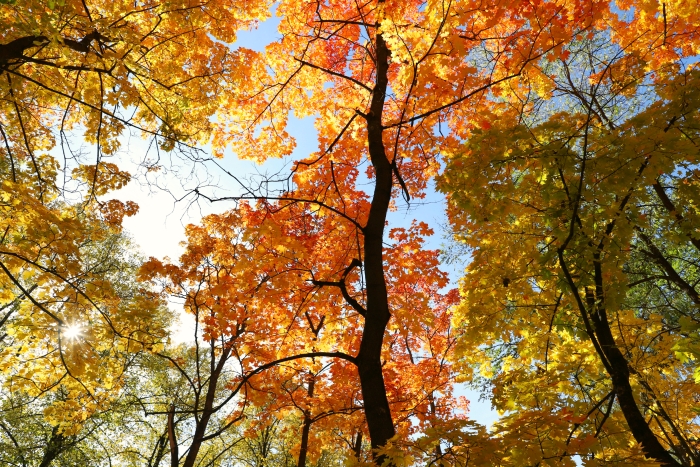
x=72 y=332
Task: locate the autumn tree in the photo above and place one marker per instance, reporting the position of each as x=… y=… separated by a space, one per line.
x=117 y=432
x=577 y=205
x=62 y=383
x=70 y=315
x=73 y=323
x=27 y=439
x=392 y=86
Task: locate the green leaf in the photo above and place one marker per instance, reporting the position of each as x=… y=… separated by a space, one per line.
x=688 y=324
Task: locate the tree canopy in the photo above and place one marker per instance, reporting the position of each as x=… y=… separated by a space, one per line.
x=563 y=134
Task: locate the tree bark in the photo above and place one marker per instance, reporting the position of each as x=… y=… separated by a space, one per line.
x=172 y=438
x=306 y=428
x=369 y=365
x=619 y=372
x=357 y=449
x=207 y=411
x=55 y=446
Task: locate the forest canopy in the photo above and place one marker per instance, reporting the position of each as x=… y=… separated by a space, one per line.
x=563 y=135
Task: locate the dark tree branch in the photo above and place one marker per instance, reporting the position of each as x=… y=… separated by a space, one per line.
x=343 y=289
x=671 y=208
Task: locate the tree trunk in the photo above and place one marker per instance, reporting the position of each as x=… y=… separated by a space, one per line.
x=369 y=365
x=55 y=446
x=207 y=411
x=357 y=449
x=594 y=315
x=619 y=373
x=160 y=448
x=306 y=428
x=172 y=438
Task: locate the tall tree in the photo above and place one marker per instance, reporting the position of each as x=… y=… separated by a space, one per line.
x=392 y=85
x=306 y=270
x=583 y=283
x=69 y=316
x=252 y=297
x=75 y=315
x=61 y=384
